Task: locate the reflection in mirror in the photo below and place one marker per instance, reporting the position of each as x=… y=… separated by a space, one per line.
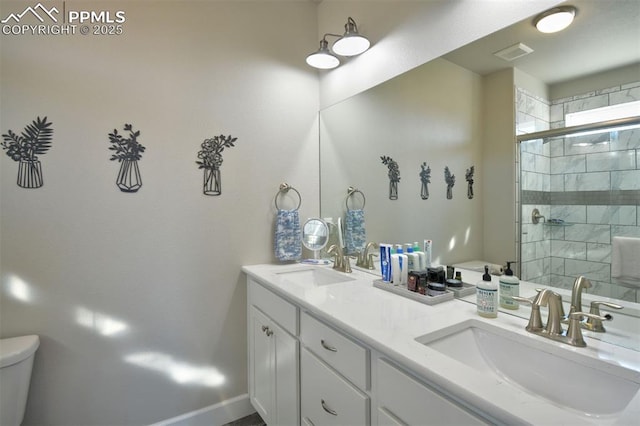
x=315 y=234
x=461 y=111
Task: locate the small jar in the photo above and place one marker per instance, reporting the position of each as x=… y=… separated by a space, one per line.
x=454 y=283
x=436 y=289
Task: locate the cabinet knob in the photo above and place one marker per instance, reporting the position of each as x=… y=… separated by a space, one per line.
x=328 y=347
x=327 y=409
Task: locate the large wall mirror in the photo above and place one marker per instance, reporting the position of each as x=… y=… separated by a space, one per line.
x=452 y=113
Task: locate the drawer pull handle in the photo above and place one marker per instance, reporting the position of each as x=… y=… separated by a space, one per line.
x=264 y=328
x=267 y=331
x=327 y=409
x=327 y=347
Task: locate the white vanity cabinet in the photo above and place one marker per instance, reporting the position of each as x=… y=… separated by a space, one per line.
x=273 y=356
x=334 y=376
x=402 y=399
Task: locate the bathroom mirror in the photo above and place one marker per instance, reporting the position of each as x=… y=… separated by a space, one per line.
x=315 y=234
x=436 y=115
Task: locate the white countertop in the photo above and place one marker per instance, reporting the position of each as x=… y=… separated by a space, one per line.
x=390 y=324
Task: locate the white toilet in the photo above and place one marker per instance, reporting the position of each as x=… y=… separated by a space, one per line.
x=16 y=361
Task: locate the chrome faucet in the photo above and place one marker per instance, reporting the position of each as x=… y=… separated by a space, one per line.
x=553 y=329
x=591 y=323
x=341 y=262
x=365 y=259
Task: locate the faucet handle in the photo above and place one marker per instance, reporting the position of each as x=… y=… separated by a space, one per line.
x=596 y=324
x=346 y=265
x=574 y=332
x=370 y=261
x=535 y=320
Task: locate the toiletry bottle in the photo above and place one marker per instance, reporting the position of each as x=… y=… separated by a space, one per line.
x=413 y=260
x=421 y=257
x=385 y=262
x=487 y=296
x=396 y=267
x=509 y=286
x=403 y=261
x=427 y=253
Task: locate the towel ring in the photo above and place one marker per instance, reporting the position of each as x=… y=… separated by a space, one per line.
x=350 y=192
x=284 y=188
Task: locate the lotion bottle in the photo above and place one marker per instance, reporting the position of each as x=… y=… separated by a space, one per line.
x=487 y=296
x=509 y=286
x=422 y=259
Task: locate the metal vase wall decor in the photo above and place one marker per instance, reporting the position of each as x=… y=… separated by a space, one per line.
x=425 y=178
x=128 y=151
x=469 y=178
x=394 y=176
x=210 y=160
x=34 y=140
x=451 y=180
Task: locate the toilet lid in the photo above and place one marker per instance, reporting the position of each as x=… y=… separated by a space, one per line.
x=16 y=349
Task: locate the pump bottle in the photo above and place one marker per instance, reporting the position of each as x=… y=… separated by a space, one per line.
x=509 y=287
x=487 y=296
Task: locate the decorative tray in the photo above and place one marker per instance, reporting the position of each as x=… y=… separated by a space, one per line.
x=466 y=290
x=422 y=298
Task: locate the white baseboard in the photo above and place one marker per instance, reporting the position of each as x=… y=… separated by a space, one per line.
x=213 y=415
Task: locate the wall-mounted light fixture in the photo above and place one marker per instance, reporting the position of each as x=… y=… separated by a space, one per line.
x=554 y=20
x=351 y=43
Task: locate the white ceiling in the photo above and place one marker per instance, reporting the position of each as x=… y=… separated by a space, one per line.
x=604 y=35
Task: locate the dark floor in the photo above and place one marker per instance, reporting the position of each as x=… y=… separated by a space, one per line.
x=251 y=420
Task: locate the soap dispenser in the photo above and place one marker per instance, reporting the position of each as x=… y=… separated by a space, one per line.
x=509 y=287
x=487 y=296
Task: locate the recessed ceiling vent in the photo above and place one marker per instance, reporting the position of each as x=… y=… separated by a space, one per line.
x=516 y=51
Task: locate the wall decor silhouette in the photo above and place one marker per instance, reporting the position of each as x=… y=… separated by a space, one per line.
x=210 y=160
x=24 y=148
x=394 y=176
x=469 y=178
x=128 y=151
x=425 y=177
x=451 y=180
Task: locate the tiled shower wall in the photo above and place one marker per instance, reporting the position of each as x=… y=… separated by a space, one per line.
x=590 y=182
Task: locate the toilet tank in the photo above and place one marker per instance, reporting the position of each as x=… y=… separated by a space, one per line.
x=16 y=362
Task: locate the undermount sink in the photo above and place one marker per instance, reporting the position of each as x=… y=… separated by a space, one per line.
x=314 y=277
x=548 y=370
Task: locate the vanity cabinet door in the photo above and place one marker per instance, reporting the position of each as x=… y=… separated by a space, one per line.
x=273 y=370
x=404 y=400
x=327 y=398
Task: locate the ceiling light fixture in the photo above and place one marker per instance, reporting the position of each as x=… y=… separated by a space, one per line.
x=351 y=43
x=554 y=20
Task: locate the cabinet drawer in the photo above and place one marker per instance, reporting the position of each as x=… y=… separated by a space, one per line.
x=414 y=403
x=327 y=398
x=343 y=354
x=278 y=309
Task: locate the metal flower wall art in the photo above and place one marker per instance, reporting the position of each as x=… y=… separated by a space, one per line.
x=128 y=151
x=24 y=148
x=451 y=180
x=425 y=178
x=210 y=159
x=469 y=178
x=394 y=176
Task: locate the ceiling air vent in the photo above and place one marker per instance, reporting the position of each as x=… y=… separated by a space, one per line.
x=513 y=52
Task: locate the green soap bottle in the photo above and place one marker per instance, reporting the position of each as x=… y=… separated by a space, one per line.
x=509 y=287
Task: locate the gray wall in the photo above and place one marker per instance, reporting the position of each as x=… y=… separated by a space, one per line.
x=131 y=293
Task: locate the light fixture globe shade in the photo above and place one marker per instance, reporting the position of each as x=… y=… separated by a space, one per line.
x=323 y=60
x=555 y=20
x=351 y=45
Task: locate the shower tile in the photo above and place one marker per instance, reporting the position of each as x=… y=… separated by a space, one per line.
x=615 y=160
x=626 y=139
x=556 y=232
x=599 y=288
x=623 y=293
x=556 y=146
x=625 y=180
x=588 y=144
x=588 y=233
x=598 y=181
x=625 y=231
x=543 y=249
x=599 y=252
x=562 y=281
x=527 y=162
x=542 y=164
x=568 y=164
x=556 y=112
x=612 y=215
x=557 y=266
x=556 y=182
x=592 y=270
x=573 y=214
x=531 y=233
x=528 y=252
x=586 y=102
x=624 y=96
x=568 y=249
